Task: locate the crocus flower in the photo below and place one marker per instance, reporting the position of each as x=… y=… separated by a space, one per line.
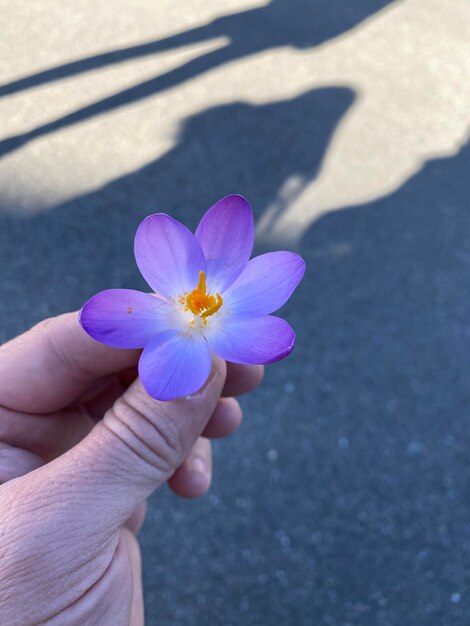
x=209 y=298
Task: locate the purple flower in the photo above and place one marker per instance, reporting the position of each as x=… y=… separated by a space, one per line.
x=209 y=297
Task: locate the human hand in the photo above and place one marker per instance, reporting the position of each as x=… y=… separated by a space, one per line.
x=82 y=445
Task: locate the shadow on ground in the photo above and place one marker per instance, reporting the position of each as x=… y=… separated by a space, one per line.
x=85 y=245
x=249 y=32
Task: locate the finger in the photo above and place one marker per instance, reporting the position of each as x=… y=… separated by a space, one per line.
x=63 y=361
x=242 y=378
x=136 y=520
x=101 y=402
x=137 y=612
x=225 y=419
x=136 y=447
x=45 y=435
x=15 y=462
x=50 y=365
x=193 y=478
x=104 y=392
x=125 y=377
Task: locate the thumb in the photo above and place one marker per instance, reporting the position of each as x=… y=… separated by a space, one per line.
x=135 y=448
x=59 y=522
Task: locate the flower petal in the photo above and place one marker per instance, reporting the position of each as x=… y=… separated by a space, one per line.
x=172 y=365
x=168 y=255
x=256 y=340
x=226 y=235
x=265 y=284
x=124 y=318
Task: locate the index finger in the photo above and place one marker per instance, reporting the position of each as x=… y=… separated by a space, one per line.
x=47 y=367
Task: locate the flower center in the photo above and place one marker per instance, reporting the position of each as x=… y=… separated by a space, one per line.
x=201 y=303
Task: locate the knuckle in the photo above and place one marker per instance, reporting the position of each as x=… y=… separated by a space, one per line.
x=151 y=435
x=51 y=332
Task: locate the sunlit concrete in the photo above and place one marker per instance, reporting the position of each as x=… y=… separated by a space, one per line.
x=408 y=65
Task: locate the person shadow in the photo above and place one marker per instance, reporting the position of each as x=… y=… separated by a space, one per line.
x=249 y=32
x=234 y=148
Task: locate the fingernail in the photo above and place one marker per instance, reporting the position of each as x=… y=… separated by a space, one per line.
x=199 y=477
x=200 y=466
x=215 y=371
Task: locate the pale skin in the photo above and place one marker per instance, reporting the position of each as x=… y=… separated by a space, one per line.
x=82 y=445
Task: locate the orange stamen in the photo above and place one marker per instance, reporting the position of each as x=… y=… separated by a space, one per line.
x=215 y=307
x=201 y=303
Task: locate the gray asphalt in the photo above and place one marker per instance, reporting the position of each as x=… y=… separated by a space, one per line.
x=344 y=500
